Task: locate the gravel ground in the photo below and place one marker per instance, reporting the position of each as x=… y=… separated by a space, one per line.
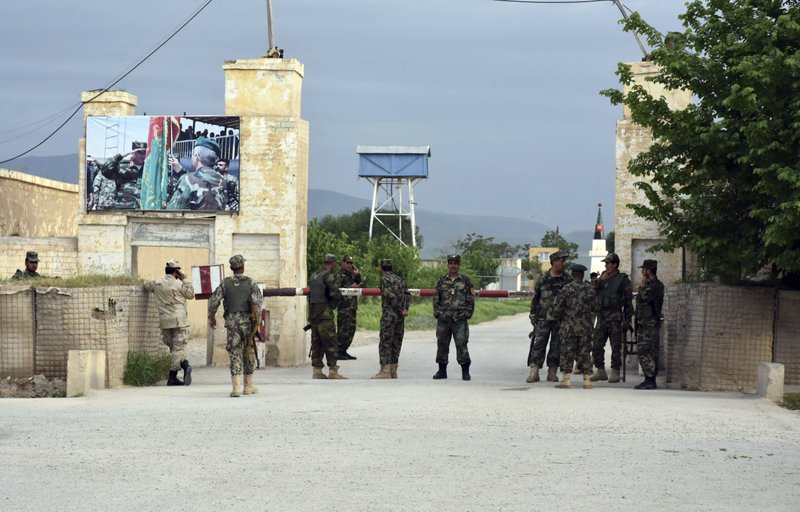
x=411 y=444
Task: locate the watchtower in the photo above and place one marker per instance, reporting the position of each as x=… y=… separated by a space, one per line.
x=391 y=169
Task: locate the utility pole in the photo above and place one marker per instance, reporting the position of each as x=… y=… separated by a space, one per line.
x=273 y=52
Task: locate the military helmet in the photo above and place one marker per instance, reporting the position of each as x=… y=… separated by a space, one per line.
x=237 y=261
x=330 y=258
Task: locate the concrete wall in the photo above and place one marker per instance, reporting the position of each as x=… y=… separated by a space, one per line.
x=31 y=206
x=633 y=235
x=714 y=336
x=57 y=256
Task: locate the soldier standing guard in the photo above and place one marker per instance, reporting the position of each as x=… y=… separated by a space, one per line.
x=31 y=264
x=649 y=302
x=453 y=305
x=395 y=300
x=614 y=312
x=242 y=302
x=544 y=294
x=574 y=310
x=322 y=299
x=348 y=276
x=171 y=291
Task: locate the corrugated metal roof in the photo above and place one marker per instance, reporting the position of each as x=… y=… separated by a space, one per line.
x=394 y=150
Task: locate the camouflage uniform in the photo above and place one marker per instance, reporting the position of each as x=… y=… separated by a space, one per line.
x=232 y=192
x=104 y=191
x=24 y=274
x=241 y=295
x=573 y=310
x=614 y=309
x=127 y=178
x=394 y=300
x=322 y=300
x=544 y=295
x=171 y=294
x=347 y=309
x=649 y=302
x=453 y=305
x=202 y=189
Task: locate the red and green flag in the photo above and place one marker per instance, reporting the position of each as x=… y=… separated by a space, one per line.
x=163 y=133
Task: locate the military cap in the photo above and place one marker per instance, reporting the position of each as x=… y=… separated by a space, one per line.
x=330 y=258
x=138 y=146
x=579 y=268
x=649 y=264
x=173 y=264
x=237 y=261
x=386 y=262
x=348 y=259
x=32 y=256
x=454 y=257
x=211 y=144
x=558 y=255
x=611 y=258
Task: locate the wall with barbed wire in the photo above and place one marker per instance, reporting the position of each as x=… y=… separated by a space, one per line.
x=40 y=325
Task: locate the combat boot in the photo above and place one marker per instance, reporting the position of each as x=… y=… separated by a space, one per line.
x=187 y=372
x=551 y=374
x=236 y=382
x=565 y=377
x=534 y=376
x=173 y=379
x=442 y=373
x=613 y=376
x=587 y=381
x=333 y=373
x=249 y=388
x=649 y=383
x=599 y=374
x=465 y=372
x=393 y=370
x=318 y=374
x=385 y=372
x=344 y=356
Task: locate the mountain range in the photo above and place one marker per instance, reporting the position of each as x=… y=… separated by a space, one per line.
x=439 y=230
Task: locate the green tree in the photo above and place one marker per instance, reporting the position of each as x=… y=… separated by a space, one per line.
x=480 y=257
x=554 y=239
x=722 y=177
x=320 y=242
x=356 y=226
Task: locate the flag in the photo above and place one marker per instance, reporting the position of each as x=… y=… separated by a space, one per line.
x=163 y=133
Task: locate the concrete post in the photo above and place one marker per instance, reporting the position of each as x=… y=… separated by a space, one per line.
x=266 y=95
x=86 y=369
x=770 y=381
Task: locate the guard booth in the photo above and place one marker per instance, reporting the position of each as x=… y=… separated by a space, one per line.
x=392 y=170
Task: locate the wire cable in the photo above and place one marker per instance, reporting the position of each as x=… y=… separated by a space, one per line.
x=105 y=89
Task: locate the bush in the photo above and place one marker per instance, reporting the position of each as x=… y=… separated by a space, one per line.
x=791 y=401
x=142 y=369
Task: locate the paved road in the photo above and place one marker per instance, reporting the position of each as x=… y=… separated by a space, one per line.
x=412 y=444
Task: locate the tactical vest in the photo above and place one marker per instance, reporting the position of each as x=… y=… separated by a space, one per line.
x=237 y=295
x=318 y=293
x=608 y=295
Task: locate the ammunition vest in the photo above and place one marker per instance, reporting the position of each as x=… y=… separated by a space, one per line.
x=319 y=291
x=237 y=295
x=608 y=295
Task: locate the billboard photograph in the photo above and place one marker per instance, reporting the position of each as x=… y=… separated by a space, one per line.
x=162 y=163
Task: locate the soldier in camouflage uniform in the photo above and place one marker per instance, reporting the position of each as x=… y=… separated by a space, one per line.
x=203 y=188
x=573 y=309
x=231 y=184
x=544 y=294
x=347 y=276
x=614 y=312
x=649 y=302
x=395 y=301
x=453 y=305
x=127 y=176
x=171 y=292
x=104 y=191
x=31 y=265
x=323 y=297
x=242 y=304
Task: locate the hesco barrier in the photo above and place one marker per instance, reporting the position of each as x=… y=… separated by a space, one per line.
x=38 y=326
x=714 y=336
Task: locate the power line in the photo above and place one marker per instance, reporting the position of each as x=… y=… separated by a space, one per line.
x=105 y=89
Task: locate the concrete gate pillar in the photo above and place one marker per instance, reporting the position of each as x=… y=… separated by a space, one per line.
x=265 y=94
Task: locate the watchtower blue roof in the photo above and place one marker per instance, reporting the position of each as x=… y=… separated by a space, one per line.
x=393 y=161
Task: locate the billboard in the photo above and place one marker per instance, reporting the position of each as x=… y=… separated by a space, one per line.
x=162 y=163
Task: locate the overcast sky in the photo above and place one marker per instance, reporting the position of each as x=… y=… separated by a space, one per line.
x=506 y=94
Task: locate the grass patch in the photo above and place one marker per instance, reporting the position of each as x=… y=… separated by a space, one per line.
x=791 y=401
x=142 y=369
x=84 y=281
x=420 y=315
